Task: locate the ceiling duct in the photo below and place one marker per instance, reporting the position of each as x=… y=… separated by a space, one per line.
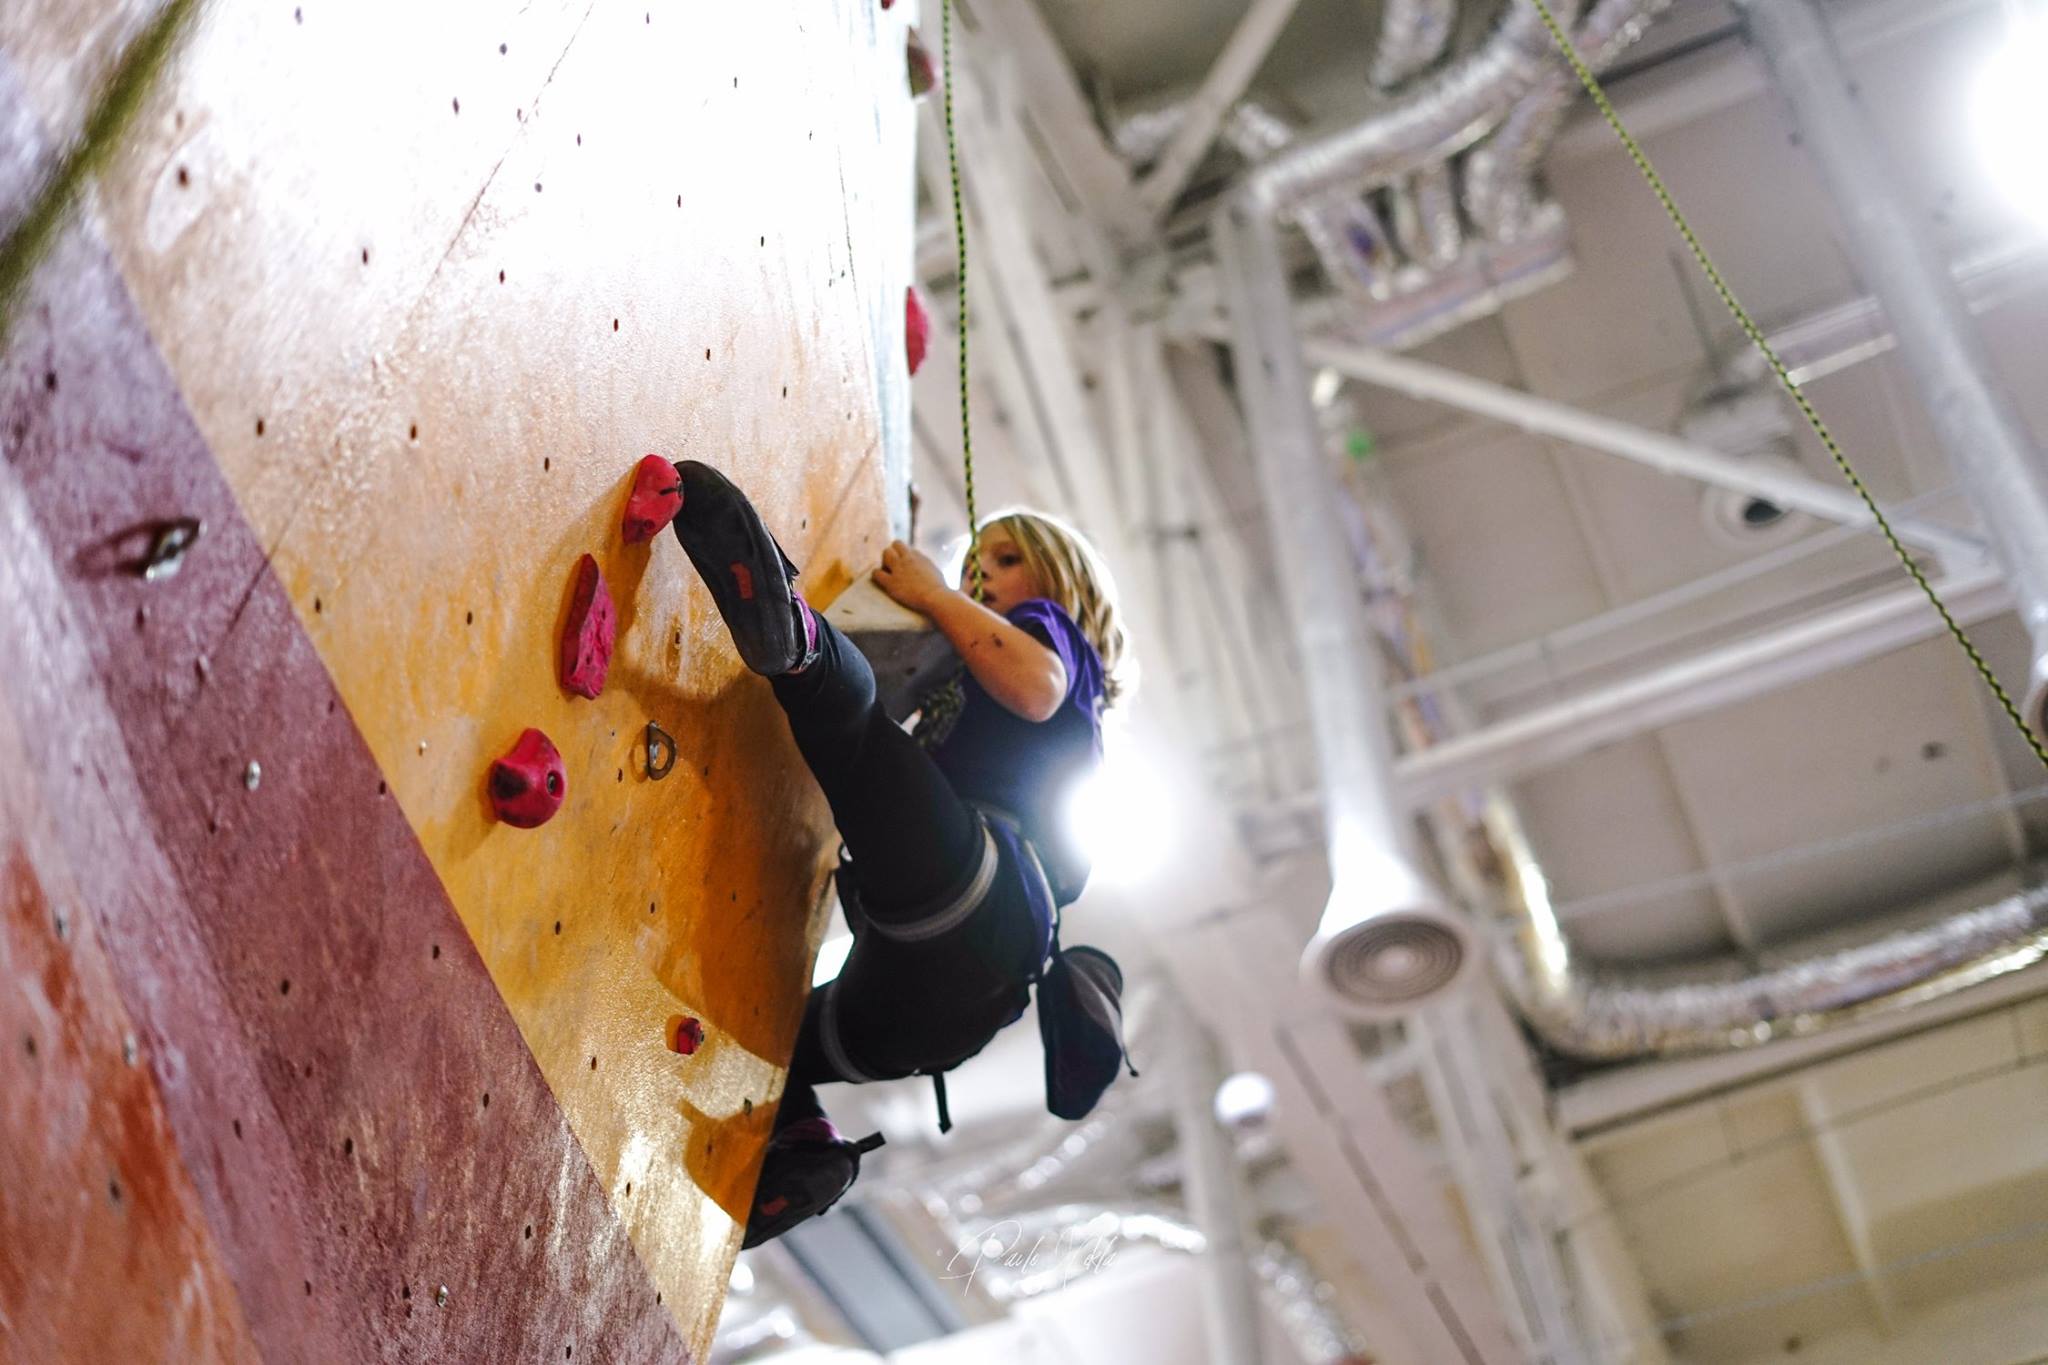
x=1443 y=115
x=1413 y=34
x=1499 y=174
x=1593 y=1016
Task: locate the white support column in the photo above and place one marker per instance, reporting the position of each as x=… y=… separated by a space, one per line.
x=1847 y=1197
x=1517 y=1237
x=1890 y=241
x=1214 y=1191
x=1659 y=450
x=1085 y=162
x=1006 y=283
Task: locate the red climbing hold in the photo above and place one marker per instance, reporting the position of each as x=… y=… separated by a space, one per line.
x=587 y=641
x=917 y=328
x=528 y=784
x=656 y=498
x=685 y=1035
x=923 y=75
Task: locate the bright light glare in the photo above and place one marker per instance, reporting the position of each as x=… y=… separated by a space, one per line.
x=1245 y=1098
x=831 y=957
x=2010 y=111
x=1123 y=818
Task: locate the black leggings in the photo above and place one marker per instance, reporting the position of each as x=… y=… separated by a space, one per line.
x=898 y=1008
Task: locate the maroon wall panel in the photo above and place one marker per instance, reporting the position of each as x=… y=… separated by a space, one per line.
x=355 y=1107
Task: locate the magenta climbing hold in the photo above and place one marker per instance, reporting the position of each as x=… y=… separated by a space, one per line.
x=685 y=1034
x=923 y=75
x=528 y=783
x=917 y=328
x=586 y=654
x=656 y=498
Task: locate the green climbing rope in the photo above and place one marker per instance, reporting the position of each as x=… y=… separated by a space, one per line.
x=1763 y=346
x=960 y=244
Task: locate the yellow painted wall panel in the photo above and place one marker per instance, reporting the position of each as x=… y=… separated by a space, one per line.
x=430 y=301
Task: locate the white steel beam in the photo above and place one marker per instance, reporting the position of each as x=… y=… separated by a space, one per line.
x=1659 y=450
x=1706 y=681
x=1099 y=180
x=1232 y=71
x=1847 y=1197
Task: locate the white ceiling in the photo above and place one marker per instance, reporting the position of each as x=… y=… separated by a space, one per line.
x=1888 y=787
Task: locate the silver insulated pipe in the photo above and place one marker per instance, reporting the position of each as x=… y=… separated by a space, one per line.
x=1386 y=941
x=1446 y=113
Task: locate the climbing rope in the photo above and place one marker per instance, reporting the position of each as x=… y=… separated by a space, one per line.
x=1763 y=346
x=960 y=244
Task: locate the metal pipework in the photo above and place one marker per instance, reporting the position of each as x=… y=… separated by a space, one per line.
x=1386 y=941
x=1500 y=173
x=1893 y=250
x=1592 y=1017
x=1447 y=113
x=1413 y=33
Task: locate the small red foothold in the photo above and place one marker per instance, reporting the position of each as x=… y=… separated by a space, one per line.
x=917 y=328
x=685 y=1035
x=528 y=784
x=656 y=498
x=586 y=654
x=923 y=75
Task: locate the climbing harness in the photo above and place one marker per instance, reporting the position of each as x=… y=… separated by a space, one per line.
x=1763 y=346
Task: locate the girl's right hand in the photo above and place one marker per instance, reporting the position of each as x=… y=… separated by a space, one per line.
x=909 y=576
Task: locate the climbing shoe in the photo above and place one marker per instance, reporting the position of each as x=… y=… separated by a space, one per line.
x=749 y=576
x=807 y=1169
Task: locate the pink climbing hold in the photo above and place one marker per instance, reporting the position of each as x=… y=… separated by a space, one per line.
x=685 y=1034
x=923 y=75
x=586 y=654
x=917 y=328
x=656 y=498
x=528 y=784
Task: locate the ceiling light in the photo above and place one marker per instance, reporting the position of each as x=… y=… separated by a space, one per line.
x=1123 y=818
x=1244 y=1100
x=2010 y=108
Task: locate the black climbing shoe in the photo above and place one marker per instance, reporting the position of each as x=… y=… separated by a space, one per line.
x=750 y=578
x=807 y=1169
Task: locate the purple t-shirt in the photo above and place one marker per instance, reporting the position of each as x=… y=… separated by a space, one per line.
x=1032 y=768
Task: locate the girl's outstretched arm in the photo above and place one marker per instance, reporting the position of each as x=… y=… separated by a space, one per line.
x=1011 y=664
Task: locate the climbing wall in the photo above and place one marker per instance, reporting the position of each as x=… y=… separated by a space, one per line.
x=305 y=1056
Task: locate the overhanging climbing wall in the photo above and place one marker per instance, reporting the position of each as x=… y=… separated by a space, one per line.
x=306 y=1058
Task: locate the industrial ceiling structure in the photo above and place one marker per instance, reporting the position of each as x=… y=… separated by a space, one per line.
x=1626 y=889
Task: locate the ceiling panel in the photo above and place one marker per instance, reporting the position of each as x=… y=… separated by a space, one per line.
x=1495 y=537
x=1875 y=745
x=1607 y=822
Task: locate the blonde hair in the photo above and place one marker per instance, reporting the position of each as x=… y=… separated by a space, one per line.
x=1071 y=573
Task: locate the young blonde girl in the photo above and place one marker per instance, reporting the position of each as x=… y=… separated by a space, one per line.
x=957 y=851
